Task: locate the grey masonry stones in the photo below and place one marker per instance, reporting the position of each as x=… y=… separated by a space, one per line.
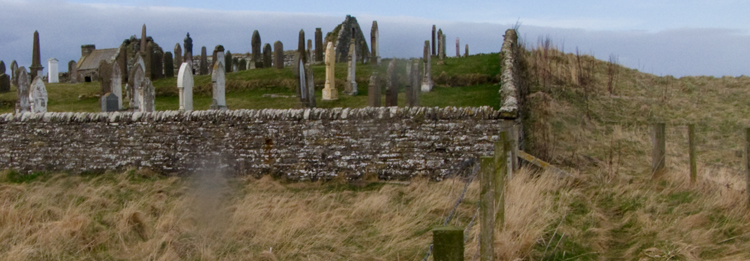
x=23 y=105
x=267 y=56
x=256 y=52
x=391 y=91
x=4 y=79
x=373 y=91
x=38 y=96
x=278 y=55
x=319 y=45
x=36 y=62
x=185 y=86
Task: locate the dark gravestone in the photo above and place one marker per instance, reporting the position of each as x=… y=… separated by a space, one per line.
x=110 y=103
x=301 y=46
x=158 y=63
x=168 y=65
x=13 y=71
x=242 y=64
x=318 y=45
x=433 y=40
x=255 y=42
x=267 y=56
x=204 y=62
x=144 y=42
x=177 y=57
x=391 y=92
x=228 y=62
x=4 y=79
x=373 y=91
x=374 y=34
x=188 y=44
x=278 y=55
x=72 y=71
x=148 y=59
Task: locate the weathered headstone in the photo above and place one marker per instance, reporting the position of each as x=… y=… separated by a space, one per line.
x=278 y=55
x=466 y=52
x=301 y=46
x=442 y=51
x=375 y=43
x=219 y=85
x=318 y=45
x=23 y=105
x=109 y=102
x=391 y=91
x=373 y=91
x=310 y=87
x=158 y=64
x=301 y=77
x=433 y=40
x=256 y=45
x=53 y=71
x=309 y=50
x=426 y=77
x=4 y=79
x=329 y=90
x=13 y=71
x=228 y=62
x=177 y=62
x=137 y=78
x=116 y=83
x=36 y=62
x=204 y=62
x=38 y=95
x=440 y=43
x=148 y=94
x=267 y=56
x=73 y=71
x=185 y=85
x=242 y=65
x=188 y=44
x=144 y=41
x=350 y=87
x=168 y=65
x=413 y=101
x=105 y=70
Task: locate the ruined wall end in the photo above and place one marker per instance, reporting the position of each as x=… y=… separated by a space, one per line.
x=394 y=143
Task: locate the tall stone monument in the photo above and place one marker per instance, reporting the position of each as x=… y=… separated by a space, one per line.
x=375 y=43
x=188 y=44
x=426 y=77
x=38 y=96
x=443 y=46
x=267 y=56
x=391 y=91
x=278 y=55
x=301 y=46
x=4 y=79
x=36 y=62
x=373 y=91
x=204 y=62
x=350 y=87
x=329 y=89
x=319 y=45
x=144 y=41
x=219 y=85
x=72 y=71
x=433 y=40
x=185 y=85
x=256 y=45
x=23 y=105
x=53 y=72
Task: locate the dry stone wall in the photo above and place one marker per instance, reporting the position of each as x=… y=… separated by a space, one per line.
x=303 y=144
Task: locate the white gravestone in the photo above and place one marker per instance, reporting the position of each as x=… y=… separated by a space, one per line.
x=185 y=85
x=38 y=95
x=53 y=71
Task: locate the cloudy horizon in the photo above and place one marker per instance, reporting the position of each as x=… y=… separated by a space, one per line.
x=65 y=26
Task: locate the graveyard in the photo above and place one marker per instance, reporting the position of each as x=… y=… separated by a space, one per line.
x=363 y=157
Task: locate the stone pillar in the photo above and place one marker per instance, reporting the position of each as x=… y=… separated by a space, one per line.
x=256 y=45
x=267 y=56
x=36 y=62
x=278 y=55
x=219 y=85
x=375 y=43
x=204 y=62
x=433 y=40
x=443 y=47
x=53 y=72
x=72 y=71
x=426 y=77
x=301 y=46
x=329 y=90
x=144 y=42
x=373 y=91
x=318 y=45
x=148 y=95
x=391 y=92
x=350 y=87
x=185 y=85
x=23 y=105
x=439 y=42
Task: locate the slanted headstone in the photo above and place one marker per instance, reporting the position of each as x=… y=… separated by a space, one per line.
x=203 y=62
x=168 y=65
x=219 y=84
x=73 y=71
x=375 y=43
x=148 y=94
x=4 y=79
x=300 y=74
x=350 y=87
x=13 y=71
x=413 y=99
x=185 y=85
x=228 y=62
x=23 y=105
x=373 y=91
x=116 y=83
x=36 y=62
x=426 y=77
x=329 y=90
x=391 y=91
x=177 y=62
x=53 y=72
x=38 y=96
x=267 y=56
x=256 y=45
x=278 y=55
x=318 y=45
x=109 y=103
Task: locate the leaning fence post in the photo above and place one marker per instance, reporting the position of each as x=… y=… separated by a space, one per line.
x=659 y=140
x=502 y=168
x=747 y=164
x=487 y=209
x=448 y=242
x=691 y=149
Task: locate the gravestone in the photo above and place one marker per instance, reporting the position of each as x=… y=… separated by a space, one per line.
x=228 y=62
x=391 y=91
x=148 y=94
x=301 y=46
x=458 y=48
x=23 y=105
x=373 y=91
x=309 y=50
x=168 y=65
x=204 y=62
x=329 y=89
x=109 y=103
x=466 y=51
x=219 y=84
x=4 y=79
x=188 y=44
x=137 y=79
x=73 y=71
x=310 y=87
x=442 y=51
x=278 y=55
x=13 y=71
x=426 y=77
x=144 y=41
x=413 y=99
x=158 y=63
x=318 y=45
x=36 y=62
x=53 y=72
x=148 y=59
x=242 y=65
x=433 y=40
x=375 y=43
x=301 y=77
x=185 y=85
x=116 y=83
x=216 y=57
x=267 y=56
x=177 y=62
x=350 y=87
x=105 y=70
x=440 y=43
x=256 y=45
x=38 y=96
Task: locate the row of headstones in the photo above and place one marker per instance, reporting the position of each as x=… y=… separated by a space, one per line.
x=442 y=45
x=31 y=97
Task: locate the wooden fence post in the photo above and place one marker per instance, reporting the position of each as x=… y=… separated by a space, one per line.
x=660 y=149
x=747 y=164
x=448 y=242
x=502 y=169
x=487 y=209
x=691 y=149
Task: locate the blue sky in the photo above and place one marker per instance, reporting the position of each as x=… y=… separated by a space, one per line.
x=680 y=38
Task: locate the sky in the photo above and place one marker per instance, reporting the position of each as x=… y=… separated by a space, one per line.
x=663 y=37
